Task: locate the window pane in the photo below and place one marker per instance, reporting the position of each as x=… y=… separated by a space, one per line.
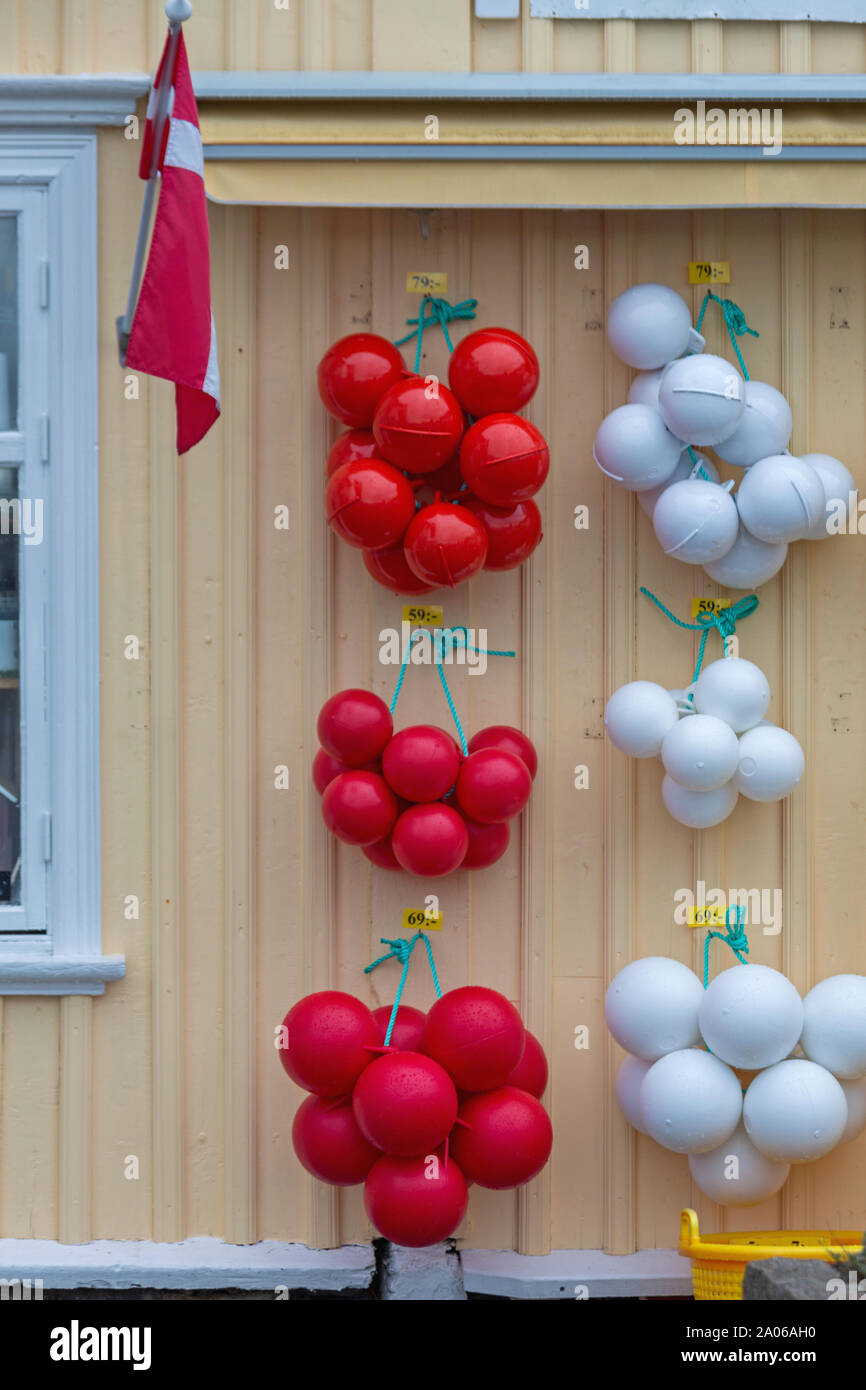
x=10 y=717
x=8 y=322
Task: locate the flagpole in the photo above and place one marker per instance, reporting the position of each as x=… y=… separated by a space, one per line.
x=177 y=12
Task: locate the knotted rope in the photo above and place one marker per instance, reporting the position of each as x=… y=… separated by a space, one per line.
x=735 y=322
x=725 y=622
x=401 y=950
x=444 y=641
x=441 y=313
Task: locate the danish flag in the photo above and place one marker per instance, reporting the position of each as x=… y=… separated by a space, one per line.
x=172 y=334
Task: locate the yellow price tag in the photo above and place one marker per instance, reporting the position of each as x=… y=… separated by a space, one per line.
x=709 y=272
x=427 y=281
x=424 y=616
x=421 y=919
x=709 y=605
x=706 y=917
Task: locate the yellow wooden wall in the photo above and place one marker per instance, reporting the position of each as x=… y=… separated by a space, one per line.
x=53 y=36
x=245 y=902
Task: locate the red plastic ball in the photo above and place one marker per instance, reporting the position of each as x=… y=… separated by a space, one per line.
x=445 y=544
x=369 y=504
x=493 y=785
x=329 y=1144
x=512 y=532
x=511 y=740
x=405 y=1103
x=349 y=446
x=408 y=1026
x=421 y=763
x=416 y=427
x=381 y=853
x=447 y=481
x=530 y=1074
x=359 y=807
x=493 y=369
x=390 y=569
x=504 y=459
x=354 y=375
x=326 y=768
x=354 y=726
x=487 y=843
x=503 y=1139
x=331 y=1038
x=415 y=1201
x=476 y=1034
x=430 y=840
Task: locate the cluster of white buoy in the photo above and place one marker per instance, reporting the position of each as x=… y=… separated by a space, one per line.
x=712 y=738
x=683 y=399
x=784 y=1080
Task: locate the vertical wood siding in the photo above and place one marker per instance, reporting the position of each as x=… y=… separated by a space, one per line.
x=160 y=1110
x=45 y=36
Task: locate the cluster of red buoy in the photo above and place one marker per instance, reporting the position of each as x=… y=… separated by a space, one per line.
x=431 y=482
x=454 y=1099
x=412 y=800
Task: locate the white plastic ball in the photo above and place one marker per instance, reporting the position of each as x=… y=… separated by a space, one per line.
x=700 y=752
x=736 y=1174
x=690 y=1101
x=644 y=390
x=633 y=448
x=765 y=428
x=795 y=1111
x=855 y=1098
x=699 y=810
x=637 y=717
x=651 y=1007
x=685 y=468
x=751 y=1016
x=770 y=765
x=631 y=1073
x=834 y=1025
x=702 y=399
x=735 y=690
x=781 y=498
x=840 y=495
x=748 y=563
x=649 y=325
x=696 y=521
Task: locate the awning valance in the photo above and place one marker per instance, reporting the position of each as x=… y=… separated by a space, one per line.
x=578 y=150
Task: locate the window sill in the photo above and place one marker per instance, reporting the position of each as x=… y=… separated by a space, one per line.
x=47 y=974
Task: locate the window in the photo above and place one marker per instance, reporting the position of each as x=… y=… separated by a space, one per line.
x=840 y=11
x=50 y=927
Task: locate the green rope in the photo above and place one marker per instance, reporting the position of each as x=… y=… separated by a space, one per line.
x=443 y=640
x=441 y=312
x=734 y=936
x=698 y=471
x=725 y=622
x=401 y=950
x=735 y=322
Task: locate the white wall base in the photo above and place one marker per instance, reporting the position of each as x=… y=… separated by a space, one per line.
x=577 y=1274
x=202 y=1262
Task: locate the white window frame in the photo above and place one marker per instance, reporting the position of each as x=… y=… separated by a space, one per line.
x=55 y=176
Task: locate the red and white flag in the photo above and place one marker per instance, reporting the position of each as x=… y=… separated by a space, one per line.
x=172 y=334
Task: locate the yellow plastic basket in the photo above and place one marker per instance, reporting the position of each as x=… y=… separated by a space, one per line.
x=719 y=1261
